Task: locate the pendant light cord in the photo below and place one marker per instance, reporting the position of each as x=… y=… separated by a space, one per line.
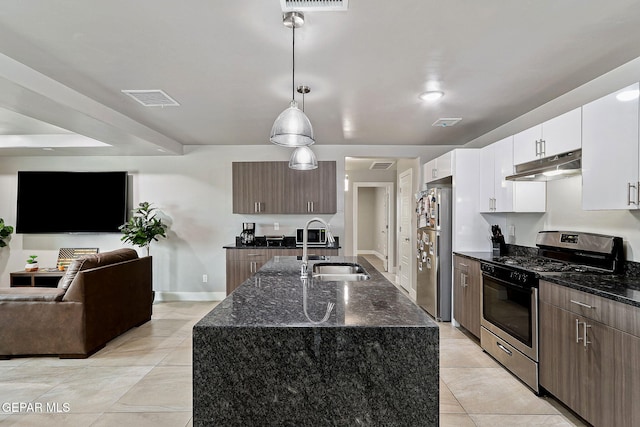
x=293 y=61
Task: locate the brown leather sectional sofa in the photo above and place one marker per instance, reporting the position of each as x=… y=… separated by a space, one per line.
x=99 y=297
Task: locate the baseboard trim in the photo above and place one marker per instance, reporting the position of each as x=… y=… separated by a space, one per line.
x=189 y=296
x=374 y=253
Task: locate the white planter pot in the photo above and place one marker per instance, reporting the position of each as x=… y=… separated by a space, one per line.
x=31 y=267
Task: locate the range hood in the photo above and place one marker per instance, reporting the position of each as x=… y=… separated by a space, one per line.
x=549 y=168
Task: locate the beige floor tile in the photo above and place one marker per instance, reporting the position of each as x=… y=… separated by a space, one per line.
x=448 y=331
x=97 y=389
x=144 y=419
x=457 y=420
x=22 y=391
x=448 y=403
x=163 y=389
x=160 y=328
x=456 y=353
x=147 y=351
x=51 y=420
x=182 y=355
x=485 y=391
x=190 y=423
x=520 y=420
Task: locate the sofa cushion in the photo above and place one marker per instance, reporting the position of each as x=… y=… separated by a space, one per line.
x=31 y=294
x=93 y=261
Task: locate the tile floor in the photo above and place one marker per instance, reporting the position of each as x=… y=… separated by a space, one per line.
x=143 y=378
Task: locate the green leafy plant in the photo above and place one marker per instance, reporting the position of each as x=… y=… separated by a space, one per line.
x=5 y=233
x=32 y=259
x=143 y=227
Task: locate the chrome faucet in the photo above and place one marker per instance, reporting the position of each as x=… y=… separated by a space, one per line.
x=305 y=243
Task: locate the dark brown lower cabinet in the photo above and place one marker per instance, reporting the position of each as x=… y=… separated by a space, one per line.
x=244 y=263
x=590 y=366
x=467 y=279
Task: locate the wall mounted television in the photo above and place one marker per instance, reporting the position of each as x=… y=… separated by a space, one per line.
x=71 y=202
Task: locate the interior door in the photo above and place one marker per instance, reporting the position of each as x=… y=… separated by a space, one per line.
x=385 y=231
x=405 y=231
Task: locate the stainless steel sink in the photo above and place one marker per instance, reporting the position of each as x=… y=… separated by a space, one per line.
x=341 y=271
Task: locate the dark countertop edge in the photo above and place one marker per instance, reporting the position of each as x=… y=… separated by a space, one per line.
x=233 y=246
x=487 y=257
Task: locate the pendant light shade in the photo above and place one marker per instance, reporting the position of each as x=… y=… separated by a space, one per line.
x=303 y=159
x=292 y=128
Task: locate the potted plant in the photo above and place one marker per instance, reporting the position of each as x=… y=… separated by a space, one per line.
x=32 y=263
x=143 y=227
x=5 y=233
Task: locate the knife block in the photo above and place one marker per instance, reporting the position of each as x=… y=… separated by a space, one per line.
x=498 y=247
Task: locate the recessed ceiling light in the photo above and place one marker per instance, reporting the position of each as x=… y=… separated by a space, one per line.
x=628 y=95
x=431 y=95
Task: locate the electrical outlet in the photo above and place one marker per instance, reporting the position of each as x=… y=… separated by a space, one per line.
x=205 y=278
x=276 y=226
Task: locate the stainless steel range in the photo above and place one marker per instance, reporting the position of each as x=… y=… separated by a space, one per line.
x=509 y=302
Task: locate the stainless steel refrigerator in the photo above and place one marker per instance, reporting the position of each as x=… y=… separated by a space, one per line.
x=433 y=283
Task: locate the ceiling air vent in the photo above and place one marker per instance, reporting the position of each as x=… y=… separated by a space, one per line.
x=381 y=165
x=152 y=98
x=445 y=123
x=314 y=5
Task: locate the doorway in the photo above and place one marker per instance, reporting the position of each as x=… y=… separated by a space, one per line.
x=374 y=222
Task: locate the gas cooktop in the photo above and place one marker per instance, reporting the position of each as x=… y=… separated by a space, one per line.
x=540 y=264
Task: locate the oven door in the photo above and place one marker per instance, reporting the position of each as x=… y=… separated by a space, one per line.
x=510 y=311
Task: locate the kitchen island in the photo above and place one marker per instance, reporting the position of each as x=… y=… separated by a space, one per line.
x=286 y=352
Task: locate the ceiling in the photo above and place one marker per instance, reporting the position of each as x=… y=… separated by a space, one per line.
x=64 y=64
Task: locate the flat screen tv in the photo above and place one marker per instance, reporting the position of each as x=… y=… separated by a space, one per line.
x=71 y=202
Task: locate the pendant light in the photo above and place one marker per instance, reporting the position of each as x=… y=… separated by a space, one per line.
x=292 y=128
x=303 y=158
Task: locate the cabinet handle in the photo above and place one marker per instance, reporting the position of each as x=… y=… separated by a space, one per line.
x=543 y=147
x=505 y=349
x=464 y=280
x=637 y=192
x=578 y=331
x=581 y=304
x=312 y=207
x=434 y=173
x=537 y=148
x=253 y=254
x=585 y=340
x=629 y=187
x=464 y=265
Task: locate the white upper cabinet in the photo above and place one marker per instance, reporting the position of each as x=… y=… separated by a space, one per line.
x=558 y=135
x=610 y=171
x=438 y=168
x=495 y=193
x=496 y=162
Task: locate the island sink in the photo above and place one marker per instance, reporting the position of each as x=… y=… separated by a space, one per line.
x=340 y=271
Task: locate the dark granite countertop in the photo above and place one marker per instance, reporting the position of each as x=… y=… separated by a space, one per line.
x=624 y=288
x=277 y=297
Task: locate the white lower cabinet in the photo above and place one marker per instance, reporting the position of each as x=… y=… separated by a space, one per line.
x=610 y=153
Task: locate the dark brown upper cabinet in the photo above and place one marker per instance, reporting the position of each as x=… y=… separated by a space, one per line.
x=273 y=188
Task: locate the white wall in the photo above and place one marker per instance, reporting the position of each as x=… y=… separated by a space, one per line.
x=564 y=212
x=194 y=191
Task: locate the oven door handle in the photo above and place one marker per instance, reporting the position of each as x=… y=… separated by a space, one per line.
x=505 y=349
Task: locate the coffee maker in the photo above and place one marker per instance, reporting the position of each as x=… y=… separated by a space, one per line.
x=248 y=235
